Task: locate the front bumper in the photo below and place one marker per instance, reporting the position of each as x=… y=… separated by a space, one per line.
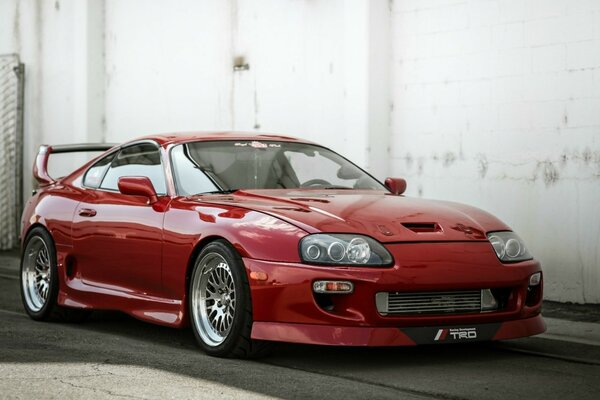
x=367 y=336
x=285 y=308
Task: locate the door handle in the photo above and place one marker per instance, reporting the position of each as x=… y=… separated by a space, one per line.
x=87 y=212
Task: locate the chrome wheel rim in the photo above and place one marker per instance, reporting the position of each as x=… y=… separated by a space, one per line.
x=213 y=299
x=36 y=274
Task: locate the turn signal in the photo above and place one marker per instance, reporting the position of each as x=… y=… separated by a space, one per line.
x=535 y=279
x=333 y=287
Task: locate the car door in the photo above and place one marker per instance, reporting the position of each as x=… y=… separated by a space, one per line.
x=117 y=238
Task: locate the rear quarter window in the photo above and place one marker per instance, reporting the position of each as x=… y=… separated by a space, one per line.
x=94 y=175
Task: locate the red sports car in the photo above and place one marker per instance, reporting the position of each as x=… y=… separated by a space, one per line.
x=255 y=239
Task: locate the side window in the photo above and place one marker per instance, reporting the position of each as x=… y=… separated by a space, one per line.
x=137 y=160
x=189 y=177
x=94 y=175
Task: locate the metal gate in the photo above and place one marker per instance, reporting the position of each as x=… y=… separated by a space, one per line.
x=11 y=149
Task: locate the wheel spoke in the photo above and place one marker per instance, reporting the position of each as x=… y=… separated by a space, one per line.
x=36 y=273
x=44 y=257
x=214 y=299
x=211 y=281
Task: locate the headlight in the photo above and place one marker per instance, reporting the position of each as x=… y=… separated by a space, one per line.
x=509 y=247
x=343 y=249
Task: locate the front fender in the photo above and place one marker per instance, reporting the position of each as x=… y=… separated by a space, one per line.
x=253 y=234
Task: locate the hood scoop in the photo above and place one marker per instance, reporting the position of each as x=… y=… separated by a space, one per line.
x=423 y=227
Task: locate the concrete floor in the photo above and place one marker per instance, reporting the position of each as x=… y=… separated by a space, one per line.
x=114 y=356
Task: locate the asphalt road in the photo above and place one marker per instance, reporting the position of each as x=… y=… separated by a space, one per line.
x=115 y=356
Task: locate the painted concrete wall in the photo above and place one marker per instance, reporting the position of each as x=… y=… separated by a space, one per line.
x=309 y=70
x=107 y=70
x=168 y=67
x=497 y=104
x=63 y=84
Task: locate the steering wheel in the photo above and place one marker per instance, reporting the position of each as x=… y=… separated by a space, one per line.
x=315 y=182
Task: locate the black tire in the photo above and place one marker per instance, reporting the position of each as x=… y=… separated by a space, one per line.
x=50 y=310
x=237 y=343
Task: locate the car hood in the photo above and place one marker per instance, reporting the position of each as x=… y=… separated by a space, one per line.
x=384 y=216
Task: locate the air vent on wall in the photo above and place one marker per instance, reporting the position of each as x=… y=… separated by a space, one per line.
x=422 y=227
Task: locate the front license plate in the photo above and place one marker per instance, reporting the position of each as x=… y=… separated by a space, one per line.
x=452 y=334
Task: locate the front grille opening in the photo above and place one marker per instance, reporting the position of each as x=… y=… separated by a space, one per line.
x=422 y=227
x=502 y=296
x=442 y=303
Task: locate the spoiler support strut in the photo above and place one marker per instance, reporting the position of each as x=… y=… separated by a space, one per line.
x=40 y=167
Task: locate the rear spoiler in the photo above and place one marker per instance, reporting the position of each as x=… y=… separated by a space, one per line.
x=40 y=167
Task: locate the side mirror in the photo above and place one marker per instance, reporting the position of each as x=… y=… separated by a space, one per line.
x=138 y=186
x=396 y=185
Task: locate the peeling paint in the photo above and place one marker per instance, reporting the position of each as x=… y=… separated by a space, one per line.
x=564 y=158
x=482 y=165
x=409 y=160
x=39 y=60
x=256 y=124
x=233 y=16
x=103 y=122
x=448 y=159
x=550 y=172
x=17 y=28
x=586 y=156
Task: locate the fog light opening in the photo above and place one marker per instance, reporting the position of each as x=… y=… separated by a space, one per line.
x=535 y=279
x=333 y=287
x=488 y=300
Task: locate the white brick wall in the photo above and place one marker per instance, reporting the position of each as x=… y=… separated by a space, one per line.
x=497 y=104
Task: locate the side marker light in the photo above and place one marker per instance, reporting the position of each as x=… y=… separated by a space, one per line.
x=333 y=287
x=258 y=276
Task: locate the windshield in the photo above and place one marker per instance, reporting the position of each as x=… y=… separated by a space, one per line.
x=201 y=167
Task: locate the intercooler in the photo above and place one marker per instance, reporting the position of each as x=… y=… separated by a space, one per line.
x=443 y=302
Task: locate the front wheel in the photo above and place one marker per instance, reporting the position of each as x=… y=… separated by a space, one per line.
x=220 y=304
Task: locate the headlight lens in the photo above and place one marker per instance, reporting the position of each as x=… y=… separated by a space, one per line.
x=509 y=247
x=343 y=249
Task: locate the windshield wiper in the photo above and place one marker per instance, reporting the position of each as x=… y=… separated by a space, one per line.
x=223 y=191
x=335 y=187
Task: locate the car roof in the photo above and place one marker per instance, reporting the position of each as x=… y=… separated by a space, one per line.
x=182 y=137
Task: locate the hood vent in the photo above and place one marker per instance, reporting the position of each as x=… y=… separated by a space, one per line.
x=422 y=227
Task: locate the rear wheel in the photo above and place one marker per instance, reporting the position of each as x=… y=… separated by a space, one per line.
x=220 y=304
x=39 y=280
